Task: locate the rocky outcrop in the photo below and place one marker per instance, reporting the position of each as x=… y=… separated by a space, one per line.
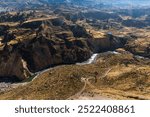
x=36 y=23
x=41 y=52
x=104 y=42
x=79 y=31
x=12 y=66
x=139 y=47
x=74 y=54
x=41 y=43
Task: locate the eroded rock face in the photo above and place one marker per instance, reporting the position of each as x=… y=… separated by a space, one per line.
x=44 y=41
x=36 y=54
x=12 y=67
x=139 y=47
x=104 y=42
x=78 y=31
x=42 y=53
x=74 y=54
x=39 y=44
x=36 y=23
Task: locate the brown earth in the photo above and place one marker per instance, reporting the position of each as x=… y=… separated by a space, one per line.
x=128 y=78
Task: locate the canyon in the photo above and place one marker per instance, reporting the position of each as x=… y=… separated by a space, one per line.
x=50 y=51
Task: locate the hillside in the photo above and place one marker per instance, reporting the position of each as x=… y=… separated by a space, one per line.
x=125 y=78
x=74 y=50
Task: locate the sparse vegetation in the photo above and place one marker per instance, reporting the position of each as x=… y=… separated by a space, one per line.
x=65 y=81
x=36 y=35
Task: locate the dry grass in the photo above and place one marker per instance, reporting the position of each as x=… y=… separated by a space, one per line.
x=128 y=79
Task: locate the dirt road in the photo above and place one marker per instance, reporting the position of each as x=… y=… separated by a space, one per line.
x=83 y=95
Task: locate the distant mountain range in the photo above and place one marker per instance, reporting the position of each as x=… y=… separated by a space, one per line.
x=22 y=3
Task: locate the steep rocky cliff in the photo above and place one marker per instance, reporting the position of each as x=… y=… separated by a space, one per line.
x=41 y=43
x=12 y=67
x=101 y=42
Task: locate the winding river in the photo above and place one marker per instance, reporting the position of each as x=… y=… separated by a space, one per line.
x=6 y=86
x=91 y=60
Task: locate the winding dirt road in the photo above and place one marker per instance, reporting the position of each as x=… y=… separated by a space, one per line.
x=80 y=94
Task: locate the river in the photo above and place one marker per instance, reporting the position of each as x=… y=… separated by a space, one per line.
x=6 y=86
x=92 y=59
